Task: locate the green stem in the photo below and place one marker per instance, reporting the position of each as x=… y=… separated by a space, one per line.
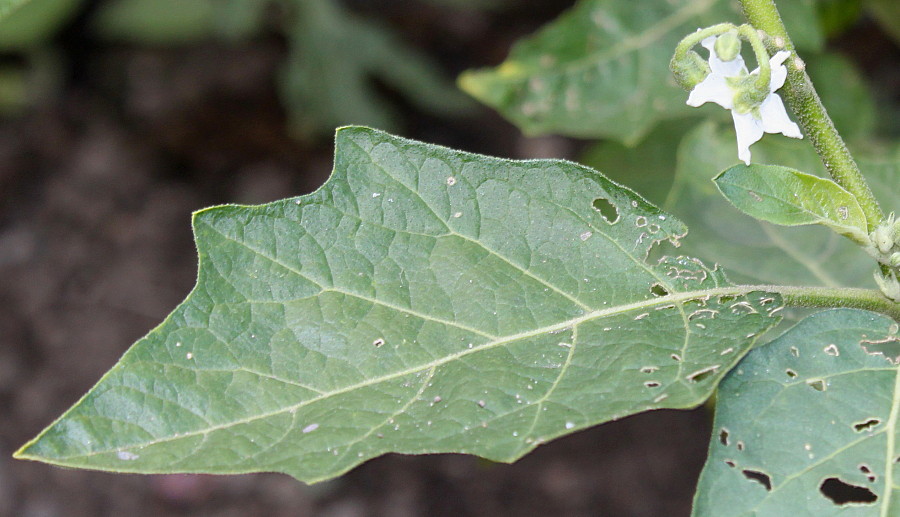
x=696 y=37
x=812 y=117
x=829 y=297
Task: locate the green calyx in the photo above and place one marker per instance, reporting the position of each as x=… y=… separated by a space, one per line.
x=686 y=65
x=689 y=69
x=884 y=246
x=728 y=45
x=747 y=94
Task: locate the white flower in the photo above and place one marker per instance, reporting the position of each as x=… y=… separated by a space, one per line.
x=768 y=117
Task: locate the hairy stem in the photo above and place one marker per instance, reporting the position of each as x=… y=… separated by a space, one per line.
x=830 y=297
x=812 y=117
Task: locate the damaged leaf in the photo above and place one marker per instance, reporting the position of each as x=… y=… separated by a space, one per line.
x=807 y=425
x=423 y=300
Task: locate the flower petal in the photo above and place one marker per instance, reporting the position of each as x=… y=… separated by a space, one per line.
x=775 y=118
x=712 y=89
x=779 y=71
x=724 y=68
x=748 y=130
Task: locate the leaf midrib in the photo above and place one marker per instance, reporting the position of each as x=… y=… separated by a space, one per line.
x=601 y=313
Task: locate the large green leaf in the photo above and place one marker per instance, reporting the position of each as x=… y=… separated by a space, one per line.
x=808 y=424
x=423 y=300
x=602 y=68
x=752 y=250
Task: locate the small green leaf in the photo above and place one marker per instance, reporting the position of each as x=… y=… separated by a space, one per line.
x=808 y=424
x=599 y=70
x=789 y=197
x=754 y=251
x=423 y=300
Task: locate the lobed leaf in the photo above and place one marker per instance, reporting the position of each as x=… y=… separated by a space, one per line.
x=788 y=197
x=807 y=425
x=423 y=300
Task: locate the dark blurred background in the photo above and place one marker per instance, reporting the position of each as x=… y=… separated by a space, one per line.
x=121 y=118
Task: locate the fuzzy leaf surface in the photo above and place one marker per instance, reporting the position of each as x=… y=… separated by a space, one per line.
x=423 y=300
x=808 y=424
x=788 y=197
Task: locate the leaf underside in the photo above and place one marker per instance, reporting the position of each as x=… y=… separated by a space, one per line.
x=807 y=425
x=423 y=300
x=788 y=197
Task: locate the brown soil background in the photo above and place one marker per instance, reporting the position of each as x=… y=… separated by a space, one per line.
x=98 y=183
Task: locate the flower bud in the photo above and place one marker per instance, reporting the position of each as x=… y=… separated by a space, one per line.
x=889 y=285
x=689 y=70
x=895 y=259
x=882 y=239
x=728 y=46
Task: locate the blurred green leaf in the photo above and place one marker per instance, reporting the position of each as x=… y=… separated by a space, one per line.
x=8 y=6
x=882 y=169
x=337 y=63
x=807 y=424
x=333 y=62
x=844 y=93
x=423 y=300
x=176 y=22
x=788 y=197
x=887 y=14
x=801 y=20
x=30 y=24
x=600 y=70
x=649 y=167
x=836 y=16
x=752 y=250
